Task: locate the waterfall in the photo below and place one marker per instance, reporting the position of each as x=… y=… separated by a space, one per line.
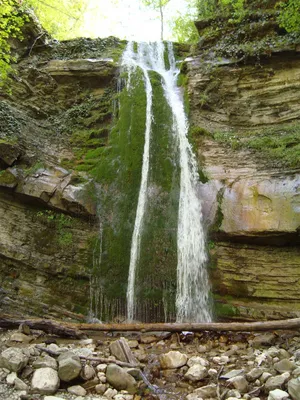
x=192 y=298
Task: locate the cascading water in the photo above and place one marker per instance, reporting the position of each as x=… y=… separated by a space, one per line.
x=192 y=298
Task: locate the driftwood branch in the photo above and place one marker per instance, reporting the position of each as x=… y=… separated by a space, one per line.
x=97 y=359
x=51 y=327
x=75 y=330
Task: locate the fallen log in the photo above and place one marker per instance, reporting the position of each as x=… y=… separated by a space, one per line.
x=288 y=324
x=75 y=330
x=48 y=326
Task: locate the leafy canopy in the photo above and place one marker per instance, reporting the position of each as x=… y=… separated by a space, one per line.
x=289 y=17
x=12 y=19
x=61 y=18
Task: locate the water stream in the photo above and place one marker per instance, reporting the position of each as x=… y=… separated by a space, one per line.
x=192 y=298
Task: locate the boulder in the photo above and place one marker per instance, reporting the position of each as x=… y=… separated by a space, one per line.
x=87 y=373
x=120 y=379
x=275 y=382
x=278 y=394
x=77 y=390
x=196 y=373
x=206 y=392
x=239 y=383
x=266 y=339
x=254 y=374
x=10 y=379
x=20 y=385
x=294 y=388
x=9 y=153
x=69 y=366
x=197 y=360
x=284 y=365
x=172 y=360
x=45 y=381
x=13 y=359
x=45 y=362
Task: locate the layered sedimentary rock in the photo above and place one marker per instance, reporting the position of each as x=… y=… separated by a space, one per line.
x=59 y=109
x=245 y=115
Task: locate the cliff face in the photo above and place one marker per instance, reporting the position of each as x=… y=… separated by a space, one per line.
x=245 y=114
x=59 y=110
x=242 y=86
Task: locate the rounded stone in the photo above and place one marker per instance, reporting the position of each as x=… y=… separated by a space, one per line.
x=45 y=381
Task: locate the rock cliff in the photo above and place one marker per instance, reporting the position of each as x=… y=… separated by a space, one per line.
x=242 y=86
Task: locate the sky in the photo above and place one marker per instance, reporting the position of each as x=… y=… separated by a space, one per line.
x=129 y=19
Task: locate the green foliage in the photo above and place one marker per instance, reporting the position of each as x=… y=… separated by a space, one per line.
x=12 y=19
x=289 y=17
x=61 y=18
x=60 y=223
x=280 y=145
x=183 y=27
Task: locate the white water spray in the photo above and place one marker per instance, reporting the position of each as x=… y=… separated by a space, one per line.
x=192 y=299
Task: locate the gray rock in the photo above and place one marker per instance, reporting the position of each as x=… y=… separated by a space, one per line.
x=20 y=385
x=193 y=396
x=296 y=372
x=233 y=394
x=297 y=355
x=101 y=388
x=294 y=388
x=69 y=366
x=20 y=338
x=13 y=359
x=254 y=374
x=87 y=373
x=197 y=360
x=232 y=374
x=135 y=372
x=196 y=373
x=10 y=379
x=239 y=383
x=275 y=382
x=110 y=393
x=53 y=398
x=120 y=379
x=278 y=394
x=206 y=392
x=45 y=381
x=172 y=360
x=265 y=376
x=284 y=365
x=45 y=362
x=101 y=367
x=77 y=390
x=266 y=339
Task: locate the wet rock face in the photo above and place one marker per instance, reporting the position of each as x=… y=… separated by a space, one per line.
x=250 y=194
x=60 y=109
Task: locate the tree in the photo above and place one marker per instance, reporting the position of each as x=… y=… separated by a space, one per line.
x=61 y=18
x=12 y=18
x=158 y=4
x=289 y=17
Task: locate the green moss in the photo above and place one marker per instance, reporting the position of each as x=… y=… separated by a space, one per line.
x=7 y=178
x=281 y=144
x=225 y=310
x=58 y=228
x=34 y=168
